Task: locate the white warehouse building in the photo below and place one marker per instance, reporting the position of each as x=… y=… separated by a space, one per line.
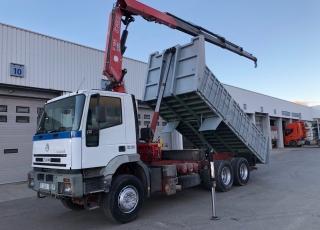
x=35 y=68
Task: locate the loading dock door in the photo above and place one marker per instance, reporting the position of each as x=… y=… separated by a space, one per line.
x=18 y=122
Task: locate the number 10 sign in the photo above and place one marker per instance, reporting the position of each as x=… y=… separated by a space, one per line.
x=16 y=70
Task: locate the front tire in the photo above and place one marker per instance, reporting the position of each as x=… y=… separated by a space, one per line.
x=125 y=199
x=70 y=205
x=293 y=144
x=223 y=175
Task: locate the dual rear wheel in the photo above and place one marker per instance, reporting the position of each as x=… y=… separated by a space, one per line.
x=233 y=171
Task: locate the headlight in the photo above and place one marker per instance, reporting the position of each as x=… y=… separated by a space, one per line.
x=65 y=188
x=31 y=182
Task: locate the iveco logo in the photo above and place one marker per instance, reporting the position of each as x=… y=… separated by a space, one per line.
x=46 y=159
x=47 y=147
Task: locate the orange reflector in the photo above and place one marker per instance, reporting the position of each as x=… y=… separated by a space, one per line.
x=67 y=180
x=29 y=175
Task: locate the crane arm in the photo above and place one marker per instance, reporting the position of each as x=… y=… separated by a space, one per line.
x=115 y=46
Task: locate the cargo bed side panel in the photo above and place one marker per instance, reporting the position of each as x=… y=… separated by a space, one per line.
x=195 y=97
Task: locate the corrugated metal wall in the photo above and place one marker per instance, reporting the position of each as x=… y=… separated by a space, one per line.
x=51 y=63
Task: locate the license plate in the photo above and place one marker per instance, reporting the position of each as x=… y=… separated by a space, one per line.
x=44 y=186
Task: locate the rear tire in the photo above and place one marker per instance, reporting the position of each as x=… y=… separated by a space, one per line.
x=125 y=199
x=293 y=144
x=70 y=205
x=223 y=175
x=241 y=171
x=230 y=159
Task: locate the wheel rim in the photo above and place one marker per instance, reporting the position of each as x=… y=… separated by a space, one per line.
x=243 y=171
x=293 y=144
x=226 y=175
x=128 y=199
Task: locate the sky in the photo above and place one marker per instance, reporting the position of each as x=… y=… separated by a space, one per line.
x=283 y=34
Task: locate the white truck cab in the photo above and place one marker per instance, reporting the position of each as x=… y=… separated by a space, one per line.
x=81 y=141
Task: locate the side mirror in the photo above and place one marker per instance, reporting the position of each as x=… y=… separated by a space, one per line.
x=101 y=114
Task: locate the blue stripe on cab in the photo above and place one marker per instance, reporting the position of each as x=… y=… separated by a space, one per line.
x=60 y=135
x=76 y=134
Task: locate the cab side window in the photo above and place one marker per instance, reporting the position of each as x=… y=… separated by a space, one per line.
x=288 y=132
x=114 y=111
x=113 y=117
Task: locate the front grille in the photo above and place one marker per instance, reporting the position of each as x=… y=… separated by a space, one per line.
x=51 y=159
x=49 y=178
x=42 y=176
x=50 y=155
x=50 y=164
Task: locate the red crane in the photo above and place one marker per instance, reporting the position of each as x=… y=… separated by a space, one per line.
x=123 y=12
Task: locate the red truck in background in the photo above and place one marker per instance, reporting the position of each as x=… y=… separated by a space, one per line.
x=294 y=134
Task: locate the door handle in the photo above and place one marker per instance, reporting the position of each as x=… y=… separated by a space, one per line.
x=122 y=148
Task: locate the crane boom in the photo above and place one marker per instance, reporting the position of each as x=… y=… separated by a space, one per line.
x=115 y=46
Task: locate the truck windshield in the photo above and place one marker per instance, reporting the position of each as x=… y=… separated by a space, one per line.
x=62 y=115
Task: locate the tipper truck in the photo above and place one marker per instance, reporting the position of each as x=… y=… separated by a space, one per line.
x=88 y=151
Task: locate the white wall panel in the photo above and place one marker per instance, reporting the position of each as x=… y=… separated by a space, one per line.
x=255 y=101
x=52 y=63
x=316 y=111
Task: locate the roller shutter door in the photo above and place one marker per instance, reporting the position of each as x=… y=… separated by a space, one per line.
x=18 y=118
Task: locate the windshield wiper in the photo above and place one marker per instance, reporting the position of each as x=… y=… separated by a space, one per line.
x=60 y=129
x=40 y=132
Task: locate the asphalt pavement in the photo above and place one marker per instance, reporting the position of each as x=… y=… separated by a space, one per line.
x=283 y=195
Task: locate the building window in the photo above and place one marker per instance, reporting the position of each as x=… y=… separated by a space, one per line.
x=139 y=122
x=275 y=111
x=3 y=118
x=20 y=109
x=138 y=116
x=3 y=108
x=261 y=109
x=244 y=106
x=22 y=119
x=146 y=116
x=158 y=123
x=164 y=123
x=6 y=151
x=146 y=123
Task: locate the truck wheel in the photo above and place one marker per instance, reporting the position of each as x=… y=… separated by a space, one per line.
x=241 y=171
x=125 y=199
x=230 y=159
x=70 y=205
x=293 y=144
x=223 y=175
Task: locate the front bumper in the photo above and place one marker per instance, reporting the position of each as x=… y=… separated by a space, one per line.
x=56 y=184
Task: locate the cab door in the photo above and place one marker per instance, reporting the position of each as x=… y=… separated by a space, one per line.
x=104 y=141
